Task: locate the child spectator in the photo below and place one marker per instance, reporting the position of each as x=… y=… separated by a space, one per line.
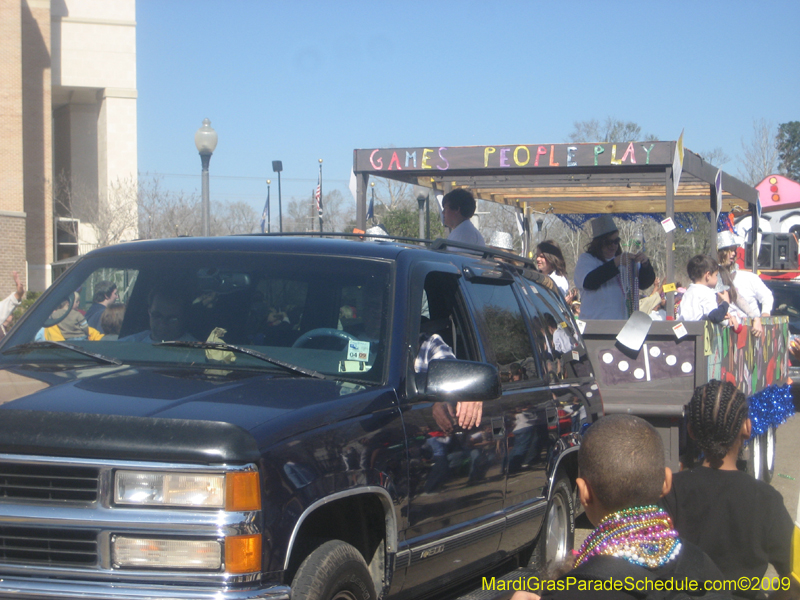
x=700 y=301
x=622 y=477
x=111 y=321
x=740 y=522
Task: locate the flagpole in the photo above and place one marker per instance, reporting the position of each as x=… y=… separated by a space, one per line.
x=269 y=216
x=319 y=201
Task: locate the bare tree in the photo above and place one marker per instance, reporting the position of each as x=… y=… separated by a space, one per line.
x=164 y=214
x=610 y=130
x=715 y=156
x=95 y=221
x=337 y=212
x=297 y=215
x=496 y=217
x=393 y=194
x=232 y=218
x=759 y=153
x=167 y=213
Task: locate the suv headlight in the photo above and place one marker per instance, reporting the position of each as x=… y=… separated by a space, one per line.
x=236 y=491
x=242 y=553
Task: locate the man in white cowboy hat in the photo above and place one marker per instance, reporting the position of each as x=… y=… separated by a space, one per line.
x=749 y=286
x=597 y=274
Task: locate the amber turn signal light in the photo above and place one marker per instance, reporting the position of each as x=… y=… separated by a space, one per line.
x=243 y=554
x=242 y=491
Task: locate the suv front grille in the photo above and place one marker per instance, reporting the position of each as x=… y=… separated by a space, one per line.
x=25 y=481
x=51 y=547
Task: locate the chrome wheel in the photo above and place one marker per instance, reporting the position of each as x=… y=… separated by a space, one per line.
x=755 y=457
x=557 y=545
x=557 y=534
x=770 y=448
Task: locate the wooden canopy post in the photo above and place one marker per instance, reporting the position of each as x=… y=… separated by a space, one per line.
x=670 y=212
x=362 y=181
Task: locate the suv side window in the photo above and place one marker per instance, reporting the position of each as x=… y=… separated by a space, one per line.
x=554 y=333
x=505 y=334
x=442 y=313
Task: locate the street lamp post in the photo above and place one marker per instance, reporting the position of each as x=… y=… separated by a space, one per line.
x=319 y=196
x=421 y=200
x=277 y=166
x=205 y=139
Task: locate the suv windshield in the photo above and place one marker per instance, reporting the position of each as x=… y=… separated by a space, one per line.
x=324 y=314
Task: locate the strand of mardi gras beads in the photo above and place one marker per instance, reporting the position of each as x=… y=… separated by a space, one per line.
x=641 y=535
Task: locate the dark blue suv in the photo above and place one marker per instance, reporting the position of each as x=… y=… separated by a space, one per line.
x=255 y=421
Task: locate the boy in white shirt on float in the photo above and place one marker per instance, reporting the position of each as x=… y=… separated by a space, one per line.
x=700 y=300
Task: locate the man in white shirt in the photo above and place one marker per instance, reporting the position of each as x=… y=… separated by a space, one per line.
x=748 y=285
x=458 y=206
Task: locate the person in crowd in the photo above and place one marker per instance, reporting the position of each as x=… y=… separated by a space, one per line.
x=622 y=477
x=746 y=290
x=167 y=310
x=701 y=301
x=597 y=274
x=105 y=294
x=749 y=286
x=433 y=347
x=6 y=326
x=573 y=300
x=111 y=321
x=550 y=261
x=13 y=300
x=654 y=303
x=740 y=522
x=74 y=325
x=458 y=206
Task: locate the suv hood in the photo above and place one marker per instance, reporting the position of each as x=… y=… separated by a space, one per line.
x=247 y=399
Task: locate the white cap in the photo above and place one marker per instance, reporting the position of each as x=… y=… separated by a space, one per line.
x=726 y=239
x=502 y=240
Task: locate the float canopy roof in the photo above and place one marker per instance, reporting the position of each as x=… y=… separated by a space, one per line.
x=629 y=177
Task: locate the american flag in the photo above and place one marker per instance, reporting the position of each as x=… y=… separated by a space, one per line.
x=318 y=195
x=265 y=215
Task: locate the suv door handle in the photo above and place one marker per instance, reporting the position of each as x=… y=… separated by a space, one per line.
x=552 y=411
x=498 y=428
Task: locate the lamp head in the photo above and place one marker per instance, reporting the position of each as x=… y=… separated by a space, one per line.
x=205 y=139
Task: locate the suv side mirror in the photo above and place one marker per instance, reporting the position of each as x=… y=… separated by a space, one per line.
x=462 y=381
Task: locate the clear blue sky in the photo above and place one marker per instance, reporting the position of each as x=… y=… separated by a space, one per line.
x=298 y=80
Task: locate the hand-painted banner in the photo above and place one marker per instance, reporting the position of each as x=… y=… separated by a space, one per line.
x=444 y=158
x=749 y=362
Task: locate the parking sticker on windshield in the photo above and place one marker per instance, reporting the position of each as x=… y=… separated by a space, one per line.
x=357 y=350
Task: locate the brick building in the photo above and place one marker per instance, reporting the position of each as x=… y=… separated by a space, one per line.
x=68 y=135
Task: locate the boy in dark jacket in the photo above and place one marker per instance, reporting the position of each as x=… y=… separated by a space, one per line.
x=622 y=478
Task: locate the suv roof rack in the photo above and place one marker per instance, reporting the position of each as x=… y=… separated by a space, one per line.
x=484 y=251
x=334 y=234
x=437 y=244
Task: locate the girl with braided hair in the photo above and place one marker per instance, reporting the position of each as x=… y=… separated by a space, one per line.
x=740 y=522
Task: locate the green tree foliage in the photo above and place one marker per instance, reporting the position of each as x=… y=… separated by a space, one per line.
x=404 y=221
x=788 y=143
x=508 y=335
